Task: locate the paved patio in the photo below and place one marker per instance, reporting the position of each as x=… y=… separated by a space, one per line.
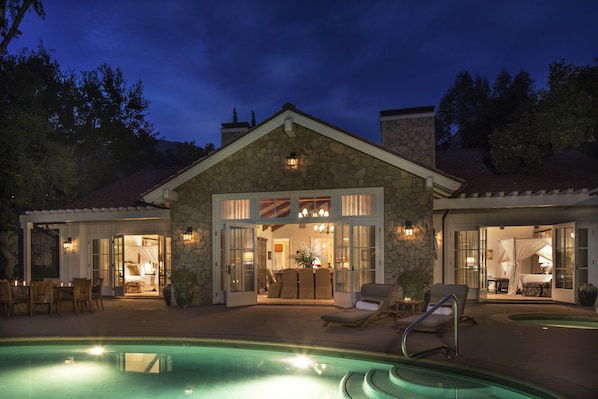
x=559 y=359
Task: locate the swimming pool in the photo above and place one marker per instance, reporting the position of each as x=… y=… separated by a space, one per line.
x=555 y=320
x=143 y=368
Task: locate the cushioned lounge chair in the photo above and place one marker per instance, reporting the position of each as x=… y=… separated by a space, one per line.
x=374 y=302
x=443 y=319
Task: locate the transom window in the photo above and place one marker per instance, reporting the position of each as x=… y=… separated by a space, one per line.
x=359 y=205
x=295 y=207
x=238 y=209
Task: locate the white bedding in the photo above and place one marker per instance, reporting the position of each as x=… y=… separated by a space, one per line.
x=141 y=272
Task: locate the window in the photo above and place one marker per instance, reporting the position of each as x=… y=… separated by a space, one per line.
x=235 y=209
x=358 y=205
x=315 y=207
x=273 y=208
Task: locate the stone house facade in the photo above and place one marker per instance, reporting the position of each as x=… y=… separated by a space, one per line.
x=329 y=159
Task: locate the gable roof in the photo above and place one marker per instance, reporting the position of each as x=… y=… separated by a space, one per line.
x=125 y=192
x=444 y=185
x=117 y=201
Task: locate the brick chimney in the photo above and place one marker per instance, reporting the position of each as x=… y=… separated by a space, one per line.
x=409 y=132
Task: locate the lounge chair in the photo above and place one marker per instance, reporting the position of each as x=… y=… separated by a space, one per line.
x=443 y=318
x=374 y=302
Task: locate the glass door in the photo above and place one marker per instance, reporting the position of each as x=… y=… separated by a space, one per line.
x=564 y=262
x=483 y=283
x=118 y=266
x=355 y=260
x=465 y=260
x=100 y=263
x=239 y=263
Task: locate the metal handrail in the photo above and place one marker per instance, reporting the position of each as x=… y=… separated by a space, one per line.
x=444 y=348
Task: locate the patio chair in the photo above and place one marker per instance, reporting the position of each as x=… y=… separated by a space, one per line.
x=41 y=293
x=8 y=301
x=79 y=295
x=443 y=318
x=96 y=293
x=374 y=302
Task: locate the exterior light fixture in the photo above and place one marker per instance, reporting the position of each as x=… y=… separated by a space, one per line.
x=68 y=244
x=292 y=161
x=408 y=229
x=188 y=234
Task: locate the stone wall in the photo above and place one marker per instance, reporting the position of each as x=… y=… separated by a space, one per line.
x=411 y=136
x=323 y=164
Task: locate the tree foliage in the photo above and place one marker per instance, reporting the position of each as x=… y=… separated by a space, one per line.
x=565 y=116
x=36 y=169
x=12 y=13
x=65 y=134
x=518 y=126
x=471 y=108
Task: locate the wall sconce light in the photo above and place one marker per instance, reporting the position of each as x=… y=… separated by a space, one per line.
x=292 y=161
x=68 y=244
x=188 y=234
x=408 y=229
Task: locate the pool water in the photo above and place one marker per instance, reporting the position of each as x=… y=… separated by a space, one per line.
x=227 y=369
x=553 y=320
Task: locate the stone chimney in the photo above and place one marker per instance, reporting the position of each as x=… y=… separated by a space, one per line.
x=229 y=132
x=409 y=132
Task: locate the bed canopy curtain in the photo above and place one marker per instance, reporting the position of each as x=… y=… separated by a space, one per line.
x=518 y=249
x=144 y=254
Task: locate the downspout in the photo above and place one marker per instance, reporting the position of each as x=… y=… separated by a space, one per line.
x=443 y=243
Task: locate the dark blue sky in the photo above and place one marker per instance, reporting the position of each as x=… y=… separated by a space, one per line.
x=341 y=61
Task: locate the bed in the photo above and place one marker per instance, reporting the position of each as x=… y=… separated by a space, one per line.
x=139 y=278
x=535 y=284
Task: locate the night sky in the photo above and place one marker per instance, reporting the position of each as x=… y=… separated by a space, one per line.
x=341 y=61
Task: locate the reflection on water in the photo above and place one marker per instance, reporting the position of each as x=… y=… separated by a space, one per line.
x=232 y=370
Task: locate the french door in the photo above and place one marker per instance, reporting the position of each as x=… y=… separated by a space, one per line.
x=564 y=276
x=238 y=263
x=356 y=255
x=118 y=266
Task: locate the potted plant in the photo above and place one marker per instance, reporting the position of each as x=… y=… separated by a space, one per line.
x=587 y=294
x=183 y=281
x=414 y=280
x=305 y=257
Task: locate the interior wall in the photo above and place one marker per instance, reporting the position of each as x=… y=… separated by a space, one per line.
x=300 y=235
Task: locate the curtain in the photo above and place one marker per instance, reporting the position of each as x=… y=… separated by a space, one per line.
x=518 y=249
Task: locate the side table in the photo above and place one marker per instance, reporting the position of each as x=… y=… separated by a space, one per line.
x=401 y=305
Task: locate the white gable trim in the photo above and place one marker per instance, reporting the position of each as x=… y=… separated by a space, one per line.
x=93 y=215
x=443 y=186
x=540 y=199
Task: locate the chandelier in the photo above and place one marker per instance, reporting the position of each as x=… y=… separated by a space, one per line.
x=324 y=228
x=313 y=213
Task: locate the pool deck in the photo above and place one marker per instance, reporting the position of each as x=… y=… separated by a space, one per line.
x=560 y=359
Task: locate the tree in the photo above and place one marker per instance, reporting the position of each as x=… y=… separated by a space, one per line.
x=37 y=171
x=461 y=109
x=568 y=110
x=11 y=15
x=110 y=136
x=471 y=109
x=564 y=117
